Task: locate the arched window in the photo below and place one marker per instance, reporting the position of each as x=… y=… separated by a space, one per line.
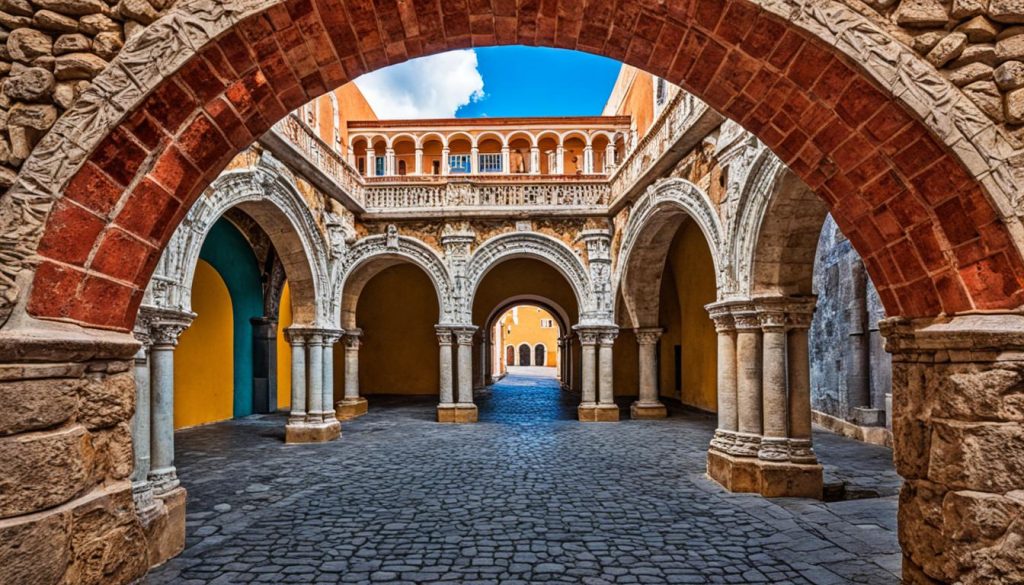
x=524 y=354
x=540 y=355
x=510 y=356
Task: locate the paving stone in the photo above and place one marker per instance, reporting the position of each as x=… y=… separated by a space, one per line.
x=527 y=495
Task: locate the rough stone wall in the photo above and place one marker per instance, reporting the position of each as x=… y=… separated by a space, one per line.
x=830 y=329
x=51 y=51
x=977 y=44
x=65 y=448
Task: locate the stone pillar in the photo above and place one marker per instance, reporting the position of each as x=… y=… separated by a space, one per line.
x=748 y=381
x=799 y=366
x=418 y=165
x=588 y=160
x=447 y=399
x=371 y=162
x=330 y=337
x=609 y=158
x=534 y=160
x=314 y=378
x=725 y=327
x=142 y=489
x=162 y=473
x=445 y=169
x=480 y=374
x=506 y=163
x=297 y=340
x=559 y=160
x=958 y=433
x=774 y=407
x=474 y=160
x=313 y=383
x=464 y=387
x=647 y=405
x=389 y=164
x=352 y=405
x=752 y=462
x=588 y=381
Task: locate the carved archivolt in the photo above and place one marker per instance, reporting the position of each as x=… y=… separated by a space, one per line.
x=391 y=248
x=164 y=46
x=758 y=179
x=171 y=285
x=530 y=245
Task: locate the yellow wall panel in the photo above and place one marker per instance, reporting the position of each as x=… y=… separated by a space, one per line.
x=203 y=361
x=284 y=351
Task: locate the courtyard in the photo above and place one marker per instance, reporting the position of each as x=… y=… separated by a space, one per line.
x=529 y=494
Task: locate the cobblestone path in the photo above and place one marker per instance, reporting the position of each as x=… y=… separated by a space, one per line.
x=526 y=495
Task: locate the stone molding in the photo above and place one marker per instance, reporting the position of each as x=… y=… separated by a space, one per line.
x=171 y=284
x=648 y=335
x=165 y=325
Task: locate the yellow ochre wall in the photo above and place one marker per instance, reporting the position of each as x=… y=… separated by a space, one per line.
x=692 y=275
x=203 y=360
x=527 y=329
x=284 y=351
x=397 y=311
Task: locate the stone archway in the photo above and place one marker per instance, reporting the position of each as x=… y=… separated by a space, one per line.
x=880 y=136
x=562 y=320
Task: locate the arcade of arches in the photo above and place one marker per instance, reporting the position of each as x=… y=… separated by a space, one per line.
x=185 y=240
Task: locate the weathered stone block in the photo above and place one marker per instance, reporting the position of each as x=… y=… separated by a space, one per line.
x=349 y=409
x=51 y=21
x=646 y=411
x=921 y=13
x=107 y=541
x=986 y=457
x=78 y=66
x=977 y=518
x=598 y=413
x=113 y=448
x=457 y=414
x=1011 y=11
x=37 y=404
x=769 y=479
x=971 y=394
x=25 y=44
x=35 y=549
x=947 y=49
x=72 y=7
x=165 y=532
x=319 y=433
x=29 y=84
x=44 y=469
x=105 y=401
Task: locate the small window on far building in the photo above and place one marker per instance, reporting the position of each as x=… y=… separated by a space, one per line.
x=660 y=91
x=547 y=323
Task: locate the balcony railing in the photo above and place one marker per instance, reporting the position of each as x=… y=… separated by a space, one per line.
x=490 y=189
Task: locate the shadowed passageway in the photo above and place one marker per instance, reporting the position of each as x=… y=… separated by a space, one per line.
x=526 y=495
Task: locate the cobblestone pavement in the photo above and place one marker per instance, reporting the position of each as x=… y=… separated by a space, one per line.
x=526 y=495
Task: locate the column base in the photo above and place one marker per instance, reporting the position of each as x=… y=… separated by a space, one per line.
x=767 y=478
x=350 y=408
x=647 y=410
x=457 y=413
x=312 y=433
x=598 y=413
x=165 y=530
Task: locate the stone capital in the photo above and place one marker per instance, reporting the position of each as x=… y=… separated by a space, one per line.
x=721 y=314
x=648 y=335
x=745 y=317
x=353 y=338
x=464 y=334
x=976 y=338
x=166 y=327
x=444 y=334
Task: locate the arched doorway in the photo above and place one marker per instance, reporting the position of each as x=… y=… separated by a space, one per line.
x=540 y=355
x=524 y=355
x=510 y=356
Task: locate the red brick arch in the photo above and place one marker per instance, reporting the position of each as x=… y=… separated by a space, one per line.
x=931 y=239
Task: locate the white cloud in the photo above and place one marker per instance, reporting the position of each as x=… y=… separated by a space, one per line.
x=428 y=87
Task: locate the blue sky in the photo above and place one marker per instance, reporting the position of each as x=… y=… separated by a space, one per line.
x=495 y=81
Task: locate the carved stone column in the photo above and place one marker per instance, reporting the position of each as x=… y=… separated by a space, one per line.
x=330 y=337
x=647 y=405
x=958 y=431
x=463 y=410
x=446 y=407
x=164 y=331
x=314 y=384
x=588 y=375
x=725 y=434
x=775 y=409
x=371 y=162
x=755 y=463
x=418 y=169
x=609 y=158
x=474 y=160
x=559 y=160
x=445 y=169
x=506 y=163
x=799 y=366
x=389 y=165
x=352 y=404
x=534 y=160
x=142 y=489
x=605 y=409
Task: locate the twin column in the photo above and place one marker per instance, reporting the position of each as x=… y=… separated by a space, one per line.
x=597 y=376
x=352 y=404
x=764 y=407
x=457 y=368
x=312 y=417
